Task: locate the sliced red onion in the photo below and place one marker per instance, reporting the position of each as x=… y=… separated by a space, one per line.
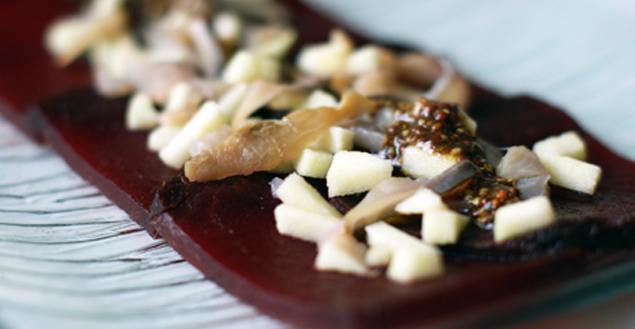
x=368 y=137
x=533 y=186
x=453 y=177
x=442 y=81
x=524 y=167
x=493 y=154
x=519 y=162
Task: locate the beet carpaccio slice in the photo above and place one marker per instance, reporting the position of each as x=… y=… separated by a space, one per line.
x=226 y=228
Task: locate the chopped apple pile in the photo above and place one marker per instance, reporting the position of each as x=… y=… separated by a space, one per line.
x=177 y=61
x=219 y=96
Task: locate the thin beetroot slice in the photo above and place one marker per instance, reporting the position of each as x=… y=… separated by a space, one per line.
x=88 y=132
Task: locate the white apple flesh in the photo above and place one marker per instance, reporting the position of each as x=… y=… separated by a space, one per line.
x=423 y=200
x=418 y=162
x=207 y=118
x=353 y=172
x=303 y=224
x=313 y=163
x=341 y=252
x=442 y=227
x=571 y=173
x=522 y=217
x=140 y=113
x=336 y=139
x=568 y=144
x=297 y=192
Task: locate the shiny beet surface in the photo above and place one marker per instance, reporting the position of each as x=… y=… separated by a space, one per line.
x=226 y=228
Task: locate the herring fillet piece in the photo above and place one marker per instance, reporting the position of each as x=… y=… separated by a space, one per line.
x=265 y=144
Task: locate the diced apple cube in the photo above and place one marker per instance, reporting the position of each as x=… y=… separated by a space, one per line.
x=183 y=96
x=353 y=172
x=273 y=41
x=408 y=265
x=65 y=35
x=411 y=259
x=568 y=144
x=384 y=234
x=295 y=191
x=325 y=60
x=522 y=217
x=318 y=98
x=418 y=162
x=378 y=255
x=207 y=118
x=370 y=59
x=571 y=173
x=341 y=253
x=303 y=224
x=442 y=226
x=423 y=200
x=313 y=163
x=227 y=27
x=231 y=100
x=141 y=114
x=245 y=66
x=161 y=136
x=336 y=139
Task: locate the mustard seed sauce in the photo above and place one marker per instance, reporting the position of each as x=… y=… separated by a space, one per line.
x=441 y=127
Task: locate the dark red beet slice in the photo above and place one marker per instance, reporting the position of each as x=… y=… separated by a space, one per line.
x=231 y=226
x=27 y=72
x=88 y=131
x=226 y=228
